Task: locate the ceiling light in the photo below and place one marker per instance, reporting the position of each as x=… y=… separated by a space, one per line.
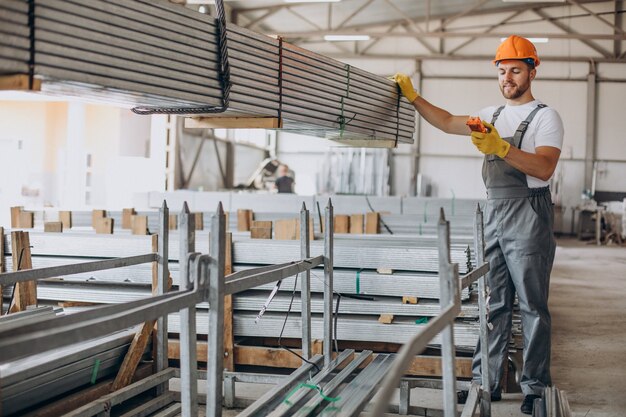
x=341 y=38
x=533 y=40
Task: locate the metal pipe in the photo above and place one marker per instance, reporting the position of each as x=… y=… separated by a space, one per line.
x=305 y=282
x=328 y=282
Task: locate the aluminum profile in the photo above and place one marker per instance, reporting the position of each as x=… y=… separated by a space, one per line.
x=156 y=53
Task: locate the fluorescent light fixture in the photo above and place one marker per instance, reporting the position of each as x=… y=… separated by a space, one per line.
x=343 y=38
x=533 y=40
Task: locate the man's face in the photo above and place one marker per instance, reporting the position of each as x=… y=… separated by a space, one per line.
x=514 y=77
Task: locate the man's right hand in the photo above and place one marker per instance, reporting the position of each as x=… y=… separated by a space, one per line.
x=406 y=86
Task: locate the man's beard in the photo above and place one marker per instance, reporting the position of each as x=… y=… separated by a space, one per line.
x=517 y=91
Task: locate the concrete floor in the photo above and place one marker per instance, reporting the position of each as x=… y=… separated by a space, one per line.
x=588 y=307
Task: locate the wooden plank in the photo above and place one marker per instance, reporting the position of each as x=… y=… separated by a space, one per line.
x=173 y=222
x=73 y=401
x=244 y=220
x=53 y=227
x=385 y=271
x=372 y=222
x=104 y=226
x=96 y=215
x=65 y=217
x=67 y=304
x=25 y=292
x=342 y=223
x=19 y=82
x=385 y=318
x=140 y=225
x=127 y=221
x=15 y=217
x=357 y=224
x=199 y=220
x=261 y=232
x=229 y=337
x=133 y=356
x=27 y=220
x=233 y=123
x=286 y=229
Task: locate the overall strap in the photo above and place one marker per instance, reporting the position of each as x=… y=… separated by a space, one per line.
x=496 y=114
x=518 y=136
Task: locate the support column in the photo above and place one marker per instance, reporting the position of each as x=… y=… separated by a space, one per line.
x=328 y=280
x=162 y=287
x=305 y=282
x=590 y=136
x=416 y=147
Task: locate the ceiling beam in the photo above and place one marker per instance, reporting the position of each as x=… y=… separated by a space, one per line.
x=570 y=32
x=375 y=41
x=353 y=14
x=464 y=13
x=304 y=18
x=594 y=14
x=617 y=17
x=489 y=29
x=264 y=16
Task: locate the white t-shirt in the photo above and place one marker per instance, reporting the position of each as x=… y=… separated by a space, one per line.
x=546 y=129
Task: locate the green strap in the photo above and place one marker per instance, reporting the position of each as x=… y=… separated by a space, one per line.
x=94 y=373
x=421 y=320
x=313 y=387
x=358 y=282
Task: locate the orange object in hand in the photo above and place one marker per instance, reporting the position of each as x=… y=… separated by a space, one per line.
x=476 y=125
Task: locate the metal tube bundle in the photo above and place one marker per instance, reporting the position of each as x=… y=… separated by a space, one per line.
x=153 y=53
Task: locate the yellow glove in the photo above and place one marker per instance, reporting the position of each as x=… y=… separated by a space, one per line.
x=490 y=143
x=406 y=86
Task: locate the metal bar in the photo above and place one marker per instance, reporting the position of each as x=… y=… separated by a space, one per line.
x=328 y=282
x=250 y=281
x=405 y=398
x=162 y=287
x=104 y=403
x=85 y=325
x=188 y=338
x=305 y=282
x=473 y=396
x=262 y=405
x=479 y=251
x=9 y=278
x=215 y=360
x=448 y=276
x=476 y=274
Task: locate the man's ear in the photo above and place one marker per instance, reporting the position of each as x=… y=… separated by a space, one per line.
x=533 y=73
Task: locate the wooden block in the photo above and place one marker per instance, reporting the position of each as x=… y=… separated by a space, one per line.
x=133 y=356
x=53 y=227
x=173 y=222
x=15 y=217
x=372 y=222
x=244 y=220
x=104 y=226
x=407 y=299
x=96 y=215
x=311 y=229
x=356 y=224
x=140 y=225
x=199 y=220
x=67 y=304
x=342 y=223
x=286 y=229
x=233 y=123
x=127 y=222
x=19 y=82
x=385 y=271
x=27 y=219
x=25 y=292
x=262 y=224
x=65 y=217
x=385 y=318
x=260 y=233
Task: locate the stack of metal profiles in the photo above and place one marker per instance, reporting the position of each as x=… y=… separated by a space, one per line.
x=356 y=261
x=31 y=381
x=148 y=52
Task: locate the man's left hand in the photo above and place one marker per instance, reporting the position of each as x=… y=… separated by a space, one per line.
x=490 y=143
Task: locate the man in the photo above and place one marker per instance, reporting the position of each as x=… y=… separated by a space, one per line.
x=284 y=183
x=522 y=147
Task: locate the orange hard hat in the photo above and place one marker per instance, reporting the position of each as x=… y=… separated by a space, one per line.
x=516 y=47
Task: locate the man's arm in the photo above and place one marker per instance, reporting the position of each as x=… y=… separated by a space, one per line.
x=434 y=115
x=540 y=164
x=440 y=118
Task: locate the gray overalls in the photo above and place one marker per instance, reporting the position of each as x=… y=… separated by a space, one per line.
x=520 y=251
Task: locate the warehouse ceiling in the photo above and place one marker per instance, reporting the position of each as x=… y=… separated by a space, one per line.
x=442 y=28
